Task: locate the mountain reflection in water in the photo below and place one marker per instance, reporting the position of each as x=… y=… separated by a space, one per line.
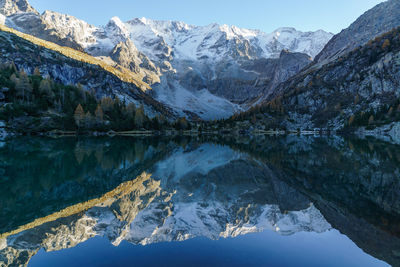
x=58 y=193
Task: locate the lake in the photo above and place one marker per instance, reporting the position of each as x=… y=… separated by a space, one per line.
x=199 y=201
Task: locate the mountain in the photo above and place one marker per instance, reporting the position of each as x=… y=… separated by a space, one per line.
x=376 y=21
x=352 y=85
x=68 y=66
x=9 y=7
x=213 y=71
x=358 y=89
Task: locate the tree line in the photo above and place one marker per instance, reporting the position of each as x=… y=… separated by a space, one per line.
x=71 y=107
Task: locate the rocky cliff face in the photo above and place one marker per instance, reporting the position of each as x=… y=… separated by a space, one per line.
x=379 y=20
x=359 y=89
x=9 y=7
x=215 y=70
x=351 y=85
x=28 y=56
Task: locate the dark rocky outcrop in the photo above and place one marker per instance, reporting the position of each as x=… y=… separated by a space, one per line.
x=255 y=78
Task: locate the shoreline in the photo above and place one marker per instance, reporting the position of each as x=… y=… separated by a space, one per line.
x=167 y=133
x=390 y=133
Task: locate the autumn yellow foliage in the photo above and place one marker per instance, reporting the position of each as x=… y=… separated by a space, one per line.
x=122 y=73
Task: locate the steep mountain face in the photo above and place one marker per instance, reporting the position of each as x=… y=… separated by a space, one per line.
x=353 y=83
x=217 y=41
x=212 y=71
x=215 y=70
x=9 y=7
x=272 y=72
x=379 y=20
x=28 y=56
x=358 y=89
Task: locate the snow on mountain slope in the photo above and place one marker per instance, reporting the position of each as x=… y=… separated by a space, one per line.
x=210 y=59
x=69 y=27
x=9 y=7
x=193 y=69
x=201 y=102
x=195 y=42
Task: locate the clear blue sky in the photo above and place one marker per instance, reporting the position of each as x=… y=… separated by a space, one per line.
x=266 y=15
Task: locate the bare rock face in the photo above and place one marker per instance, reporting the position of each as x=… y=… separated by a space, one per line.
x=127 y=55
x=66 y=70
x=378 y=20
x=340 y=93
x=357 y=73
x=9 y=7
x=40 y=26
x=248 y=80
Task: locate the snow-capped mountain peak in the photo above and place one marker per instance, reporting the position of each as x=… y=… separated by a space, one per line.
x=118 y=27
x=212 y=71
x=192 y=41
x=9 y=7
x=69 y=27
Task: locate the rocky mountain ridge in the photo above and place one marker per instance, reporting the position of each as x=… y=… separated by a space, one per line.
x=9 y=7
x=351 y=86
x=359 y=89
x=69 y=68
x=206 y=70
x=376 y=21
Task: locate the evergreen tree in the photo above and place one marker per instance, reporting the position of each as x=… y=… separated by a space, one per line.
x=139 y=117
x=107 y=104
x=155 y=123
x=88 y=119
x=371 y=119
x=99 y=114
x=46 y=90
x=182 y=124
x=79 y=116
x=130 y=111
x=36 y=72
x=23 y=87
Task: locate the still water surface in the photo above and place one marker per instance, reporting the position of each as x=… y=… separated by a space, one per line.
x=265 y=201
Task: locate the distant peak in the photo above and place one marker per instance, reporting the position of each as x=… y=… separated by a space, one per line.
x=285 y=29
x=48 y=13
x=145 y=20
x=142 y=21
x=10 y=7
x=116 y=21
x=62 y=20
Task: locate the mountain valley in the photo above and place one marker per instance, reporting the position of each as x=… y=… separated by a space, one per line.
x=212 y=71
